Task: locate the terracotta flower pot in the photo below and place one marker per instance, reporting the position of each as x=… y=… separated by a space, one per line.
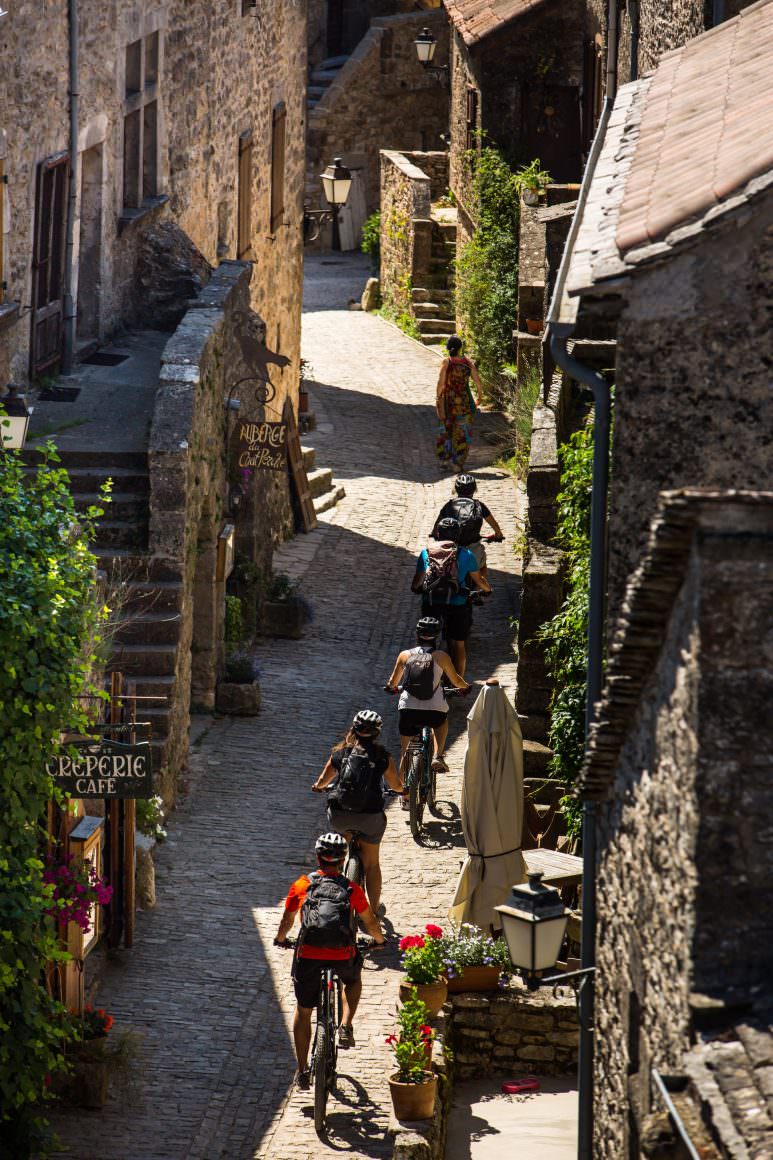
x=413 y=1101
x=534 y=325
x=475 y=979
x=433 y=994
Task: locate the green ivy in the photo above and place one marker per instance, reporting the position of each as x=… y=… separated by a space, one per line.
x=566 y=635
x=487 y=266
x=371 y=239
x=48 y=629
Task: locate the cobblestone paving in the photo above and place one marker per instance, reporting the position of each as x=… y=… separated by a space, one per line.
x=203 y=983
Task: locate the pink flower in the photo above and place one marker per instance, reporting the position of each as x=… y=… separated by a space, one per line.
x=433 y=931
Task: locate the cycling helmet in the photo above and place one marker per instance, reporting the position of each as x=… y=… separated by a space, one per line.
x=367 y=723
x=465 y=485
x=447 y=529
x=428 y=628
x=331 y=847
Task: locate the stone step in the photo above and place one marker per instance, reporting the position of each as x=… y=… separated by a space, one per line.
x=435 y=326
x=100 y=461
x=329 y=498
x=431 y=294
x=120 y=506
x=127 y=565
x=88 y=480
x=435 y=339
x=320 y=481
x=431 y=310
x=143 y=598
x=156 y=687
x=309 y=458
x=314 y=92
x=535 y=758
x=126 y=534
x=158 y=719
x=323 y=76
x=333 y=62
x=149 y=628
x=144 y=660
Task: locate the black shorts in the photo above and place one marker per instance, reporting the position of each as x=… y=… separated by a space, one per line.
x=306 y=974
x=456 y=619
x=410 y=722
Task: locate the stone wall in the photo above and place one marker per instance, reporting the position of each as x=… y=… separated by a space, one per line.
x=406 y=227
x=491 y=1034
x=381 y=99
x=683 y=759
x=692 y=400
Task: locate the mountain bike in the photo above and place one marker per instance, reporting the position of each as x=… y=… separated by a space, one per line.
x=324 y=1052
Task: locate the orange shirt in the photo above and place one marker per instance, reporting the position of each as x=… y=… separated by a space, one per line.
x=296 y=897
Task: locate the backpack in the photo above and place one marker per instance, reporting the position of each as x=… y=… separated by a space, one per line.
x=470 y=517
x=326 y=914
x=358 y=788
x=440 y=581
x=419 y=675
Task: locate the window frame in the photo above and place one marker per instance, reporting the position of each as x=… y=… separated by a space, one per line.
x=136 y=102
x=244 y=197
x=278 y=166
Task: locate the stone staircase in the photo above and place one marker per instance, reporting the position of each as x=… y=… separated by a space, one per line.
x=320 y=80
x=433 y=303
x=324 y=491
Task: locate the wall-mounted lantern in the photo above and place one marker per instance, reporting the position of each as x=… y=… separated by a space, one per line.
x=425 y=45
x=336 y=184
x=15 y=423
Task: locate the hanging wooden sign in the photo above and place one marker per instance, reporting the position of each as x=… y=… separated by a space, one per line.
x=298 y=471
x=262 y=446
x=105 y=769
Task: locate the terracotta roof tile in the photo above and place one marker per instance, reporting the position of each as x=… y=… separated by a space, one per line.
x=706 y=129
x=476 y=19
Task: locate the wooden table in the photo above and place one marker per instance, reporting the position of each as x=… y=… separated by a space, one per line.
x=558 y=869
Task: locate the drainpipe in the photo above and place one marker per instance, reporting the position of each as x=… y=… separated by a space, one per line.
x=560 y=330
x=612 y=44
x=633 y=12
x=68 y=336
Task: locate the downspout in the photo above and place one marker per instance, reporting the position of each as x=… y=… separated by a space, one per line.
x=560 y=332
x=612 y=46
x=634 y=12
x=68 y=335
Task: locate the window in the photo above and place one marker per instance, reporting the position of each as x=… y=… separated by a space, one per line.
x=278 y=125
x=472 y=118
x=244 y=222
x=140 y=121
x=248 y=6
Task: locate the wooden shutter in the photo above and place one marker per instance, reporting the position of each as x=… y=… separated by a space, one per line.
x=48 y=262
x=278 y=128
x=244 y=224
x=472 y=117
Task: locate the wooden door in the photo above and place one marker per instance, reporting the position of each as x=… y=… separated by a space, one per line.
x=48 y=263
x=550 y=129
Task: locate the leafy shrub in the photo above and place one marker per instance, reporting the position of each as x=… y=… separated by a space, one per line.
x=282 y=588
x=519 y=404
x=234 y=620
x=371 y=239
x=240 y=667
x=413 y=1040
x=150 y=817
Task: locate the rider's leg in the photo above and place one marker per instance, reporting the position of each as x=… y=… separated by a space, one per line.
x=440 y=733
x=352 y=992
x=302 y=1035
x=458 y=651
x=372 y=868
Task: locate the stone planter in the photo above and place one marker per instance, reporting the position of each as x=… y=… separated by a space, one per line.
x=87 y=1085
x=237 y=699
x=284 y=618
x=433 y=995
x=531 y=196
x=413 y=1101
x=475 y=979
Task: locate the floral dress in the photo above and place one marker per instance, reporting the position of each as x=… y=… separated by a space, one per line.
x=453 y=440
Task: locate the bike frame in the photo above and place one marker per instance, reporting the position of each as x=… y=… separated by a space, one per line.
x=329 y=1009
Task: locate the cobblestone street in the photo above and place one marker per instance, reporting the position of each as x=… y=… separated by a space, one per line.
x=203 y=984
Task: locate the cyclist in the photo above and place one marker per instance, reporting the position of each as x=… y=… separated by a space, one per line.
x=327 y=902
x=420 y=683
x=470 y=514
x=443 y=577
x=357 y=768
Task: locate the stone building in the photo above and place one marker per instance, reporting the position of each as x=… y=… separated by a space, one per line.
x=681 y=766
x=337 y=26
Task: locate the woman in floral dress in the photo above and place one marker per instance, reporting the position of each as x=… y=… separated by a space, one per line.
x=456 y=406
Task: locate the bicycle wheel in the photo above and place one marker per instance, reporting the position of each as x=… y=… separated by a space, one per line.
x=320 y=1068
x=431 y=789
x=415 y=800
x=353 y=866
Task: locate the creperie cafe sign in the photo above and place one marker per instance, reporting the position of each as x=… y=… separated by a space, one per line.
x=104 y=769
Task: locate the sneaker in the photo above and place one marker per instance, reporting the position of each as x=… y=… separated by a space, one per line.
x=405 y=803
x=381 y=910
x=439 y=765
x=302 y=1080
x=345 y=1036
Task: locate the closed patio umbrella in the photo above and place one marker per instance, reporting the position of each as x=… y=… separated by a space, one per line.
x=492 y=810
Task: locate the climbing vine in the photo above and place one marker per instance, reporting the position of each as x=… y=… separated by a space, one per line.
x=566 y=635
x=487 y=267
x=48 y=628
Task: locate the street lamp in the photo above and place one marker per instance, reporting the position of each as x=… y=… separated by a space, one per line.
x=15 y=422
x=336 y=184
x=425 y=45
x=534 y=920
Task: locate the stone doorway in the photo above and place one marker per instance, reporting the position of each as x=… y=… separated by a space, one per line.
x=90 y=251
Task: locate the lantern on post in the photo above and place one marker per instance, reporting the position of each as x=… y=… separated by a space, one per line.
x=534 y=921
x=15 y=423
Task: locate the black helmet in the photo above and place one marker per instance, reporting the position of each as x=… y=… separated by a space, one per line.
x=447 y=529
x=428 y=628
x=331 y=847
x=465 y=485
x=367 y=723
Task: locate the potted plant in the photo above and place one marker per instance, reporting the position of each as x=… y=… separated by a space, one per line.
x=94 y=1059
x=424 y=966
x=284 y=611
x=76 y=888
x=474 y=961
x=414 y=1085
x=238 y=694
x=532 y=181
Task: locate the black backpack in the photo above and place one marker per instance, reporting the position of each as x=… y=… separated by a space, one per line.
x=470 y=518
x=441 y=579
x=419 y=675
x=358 y=788
x=326 y=914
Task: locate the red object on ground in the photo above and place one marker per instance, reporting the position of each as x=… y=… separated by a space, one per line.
x=516 y=1087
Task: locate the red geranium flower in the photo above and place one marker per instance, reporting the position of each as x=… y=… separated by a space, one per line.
x=426 y=1031
x=390 y=1039
x=433 y=931
x=411 y=940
